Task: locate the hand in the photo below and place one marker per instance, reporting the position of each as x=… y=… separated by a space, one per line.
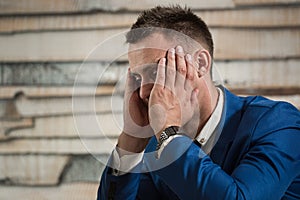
x=136 y=131
x=173 y=98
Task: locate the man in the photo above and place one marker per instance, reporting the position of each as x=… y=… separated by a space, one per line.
x=207 y=143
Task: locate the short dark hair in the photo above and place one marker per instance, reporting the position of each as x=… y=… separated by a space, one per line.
x=176 y=18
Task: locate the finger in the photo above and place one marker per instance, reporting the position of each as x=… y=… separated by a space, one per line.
x=160 y=77
x=190 y=72
x=181 y=74
x=181 y=66
x=194 y=97
x=171 y=69
x=180 y=62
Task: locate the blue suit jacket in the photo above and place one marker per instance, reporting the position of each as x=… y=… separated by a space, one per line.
x=256 y=157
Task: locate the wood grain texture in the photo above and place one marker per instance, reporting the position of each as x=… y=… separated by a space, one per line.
x=264 y=2
x=58 y=146
x=78 y=6
x=7 y=126
x=9 y=92
x=230 y=44
x=62 y=74
x=66 y=106
x=31 y=169
x=250 y=17
x=68 y=126
x=275 y=73
x=74 y=191
x=255 y=74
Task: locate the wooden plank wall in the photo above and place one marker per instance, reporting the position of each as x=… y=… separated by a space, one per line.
x=43 y=45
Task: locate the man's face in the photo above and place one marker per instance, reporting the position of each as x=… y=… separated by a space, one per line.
x=143 y=59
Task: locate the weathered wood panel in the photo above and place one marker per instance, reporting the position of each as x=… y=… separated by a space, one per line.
x=266 y=73
x=8 y=125
x=258 y=17
x=230 y=44
x=250 y=17
x=104 y=125
x=62 y=106
x=256 y=43
x=61 y=74
x=2 y=107
x=9 y=92
x=251 y=74
x=64 y=46
x=74 y=191
x=66 y=22
x=265 y=91
x=71 y=6
x=264 y=2
x=58 y=146
x=84 y=126
x=32 y=169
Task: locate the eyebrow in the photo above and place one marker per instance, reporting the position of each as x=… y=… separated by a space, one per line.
x=150 y=69
x=144 y=68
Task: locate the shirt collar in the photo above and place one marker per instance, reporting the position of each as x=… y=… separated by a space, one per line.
x=208 y=129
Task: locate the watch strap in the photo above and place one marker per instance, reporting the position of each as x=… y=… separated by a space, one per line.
x=171 y=130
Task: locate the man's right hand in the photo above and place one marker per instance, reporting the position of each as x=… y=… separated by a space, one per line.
x=136 y=131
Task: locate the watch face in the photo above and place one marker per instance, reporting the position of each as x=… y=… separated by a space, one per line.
x=166 y=134
x=163 y=136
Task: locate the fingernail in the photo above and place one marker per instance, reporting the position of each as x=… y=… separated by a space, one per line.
x=188 y=57
x=179 y=49
x=163 y=60
x=172 y=51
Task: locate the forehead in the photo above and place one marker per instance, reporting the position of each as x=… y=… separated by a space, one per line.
x=148 y=50
x=144 y=57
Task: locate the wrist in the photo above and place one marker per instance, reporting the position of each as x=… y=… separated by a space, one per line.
x=165 y=134
x=132 y=144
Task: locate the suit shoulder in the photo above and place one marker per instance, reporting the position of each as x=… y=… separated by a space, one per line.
x=272 y=115
x=262 y=103
x=259 y=101
x=260 y=111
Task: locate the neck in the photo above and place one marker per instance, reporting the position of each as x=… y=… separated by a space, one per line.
x=207 y=106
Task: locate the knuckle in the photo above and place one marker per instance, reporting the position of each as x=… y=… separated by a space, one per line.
x=171 y=72
x=180 y=55
x=182 y=70
x=190 y=76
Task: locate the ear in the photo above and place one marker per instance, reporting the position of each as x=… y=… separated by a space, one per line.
x=203 y=60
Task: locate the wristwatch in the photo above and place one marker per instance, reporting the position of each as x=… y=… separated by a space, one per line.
x=171 y=130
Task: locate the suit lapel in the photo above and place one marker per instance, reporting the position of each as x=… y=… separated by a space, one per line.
x=232 y=110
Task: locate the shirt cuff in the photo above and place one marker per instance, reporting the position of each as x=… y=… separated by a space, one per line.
x=165 y=143
x=124 y=163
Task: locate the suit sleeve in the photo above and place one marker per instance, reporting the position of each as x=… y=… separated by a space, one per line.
x=265 y=171
x=128 y=186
